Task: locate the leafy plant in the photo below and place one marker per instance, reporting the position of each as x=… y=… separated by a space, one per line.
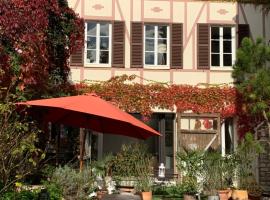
x=73 y=184
x=22 y=195
x=131 y=161
x=246 y=153
x=18 y=138
x=219 y=171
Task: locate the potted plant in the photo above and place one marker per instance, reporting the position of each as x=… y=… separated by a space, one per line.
x=246 y=153
x=124 y=166
x=189 y=188
x=218 y=174
x=144 y=172
x=101 y=171
x=189 y=164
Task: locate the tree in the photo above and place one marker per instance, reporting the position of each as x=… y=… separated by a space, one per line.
x=252 y=77
x=18 y=138
x=36 y=40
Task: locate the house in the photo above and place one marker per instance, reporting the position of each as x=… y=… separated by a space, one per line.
x=174 y=41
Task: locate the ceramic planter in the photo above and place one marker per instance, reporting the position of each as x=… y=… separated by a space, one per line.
x=240 y=194
x=146 y=195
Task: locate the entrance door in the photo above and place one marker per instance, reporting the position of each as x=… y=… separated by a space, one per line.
x=163 y=147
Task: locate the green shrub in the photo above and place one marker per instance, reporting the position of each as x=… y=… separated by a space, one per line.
x=23 y=195
x=72 y=183
x=128 y=162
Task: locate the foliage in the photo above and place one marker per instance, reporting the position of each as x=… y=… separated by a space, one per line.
x=102 y=167
x=171 y=191
x=246 y=153
x=34 y=53
x=123 y=92
x=54 y=190
x=18 y=137
x=218 y=171
x=252 y=75
x=189 y=162
x=22 y=195
x=74 y=184
x=131 y=161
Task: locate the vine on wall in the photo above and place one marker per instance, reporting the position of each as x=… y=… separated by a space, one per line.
x=130 y=96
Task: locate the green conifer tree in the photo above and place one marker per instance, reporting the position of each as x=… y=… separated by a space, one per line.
x=252 y=77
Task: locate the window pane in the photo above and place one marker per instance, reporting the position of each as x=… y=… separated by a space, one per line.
x=104 y=29
x=149 y=58
x=150 y=31
x=227 y=32
x=104 y=43
x=91 y=42
x=227 y=47
x=104 y=57
x=91 y=29
x=214 y=32
x=149 y=45
x=215 y=60
x=214 y=46
x=91 y=56
x=162 y=59
x=227 y=59
x=162 y=46
x=162 y=31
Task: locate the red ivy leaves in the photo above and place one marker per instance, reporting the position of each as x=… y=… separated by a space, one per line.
x=142 y=98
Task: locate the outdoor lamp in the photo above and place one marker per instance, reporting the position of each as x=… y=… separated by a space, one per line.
x=161 y=170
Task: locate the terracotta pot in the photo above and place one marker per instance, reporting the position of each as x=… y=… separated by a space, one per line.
x=146 y=195
x=224 y=194
x=100 y=194
x=240 y=195
x=189 y=197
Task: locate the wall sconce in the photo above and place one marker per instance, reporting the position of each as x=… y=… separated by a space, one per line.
x=161 y=170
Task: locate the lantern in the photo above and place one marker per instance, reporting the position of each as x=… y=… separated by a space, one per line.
x=161 y=170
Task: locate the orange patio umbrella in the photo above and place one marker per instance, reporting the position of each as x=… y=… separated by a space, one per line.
x=89 y=111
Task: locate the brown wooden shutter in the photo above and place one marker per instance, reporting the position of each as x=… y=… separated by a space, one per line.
x=243 y=31
x=176 y=46
x=118 y=44
x=203 y=47
x=76 y=58
x=136 y=45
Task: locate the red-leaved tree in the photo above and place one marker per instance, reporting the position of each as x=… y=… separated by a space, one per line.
x=36 y=40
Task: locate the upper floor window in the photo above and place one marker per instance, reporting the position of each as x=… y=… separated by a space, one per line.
x=98 y=43
x=156 y=45
x=222 y=46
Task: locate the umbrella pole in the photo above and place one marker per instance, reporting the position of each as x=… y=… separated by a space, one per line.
x=82 y=147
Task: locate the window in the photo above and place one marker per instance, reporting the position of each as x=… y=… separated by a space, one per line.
x=156 y=45
x=98 y=43
x=222 y=46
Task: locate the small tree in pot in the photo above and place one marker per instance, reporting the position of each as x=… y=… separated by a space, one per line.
x=190 y=164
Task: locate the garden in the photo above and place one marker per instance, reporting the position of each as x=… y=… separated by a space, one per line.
x=207 y=175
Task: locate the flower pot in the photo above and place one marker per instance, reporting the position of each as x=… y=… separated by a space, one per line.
x=213 y=197
x=189 y=197
x=224 y=194
x=240 y=194
x=146 y=195
x=101 y=194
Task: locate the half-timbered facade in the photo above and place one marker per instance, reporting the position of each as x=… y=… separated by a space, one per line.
x=172 y=41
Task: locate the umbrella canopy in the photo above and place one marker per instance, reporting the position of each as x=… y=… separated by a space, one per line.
x=90 y=111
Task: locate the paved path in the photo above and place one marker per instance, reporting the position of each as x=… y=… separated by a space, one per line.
x=121 y=197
